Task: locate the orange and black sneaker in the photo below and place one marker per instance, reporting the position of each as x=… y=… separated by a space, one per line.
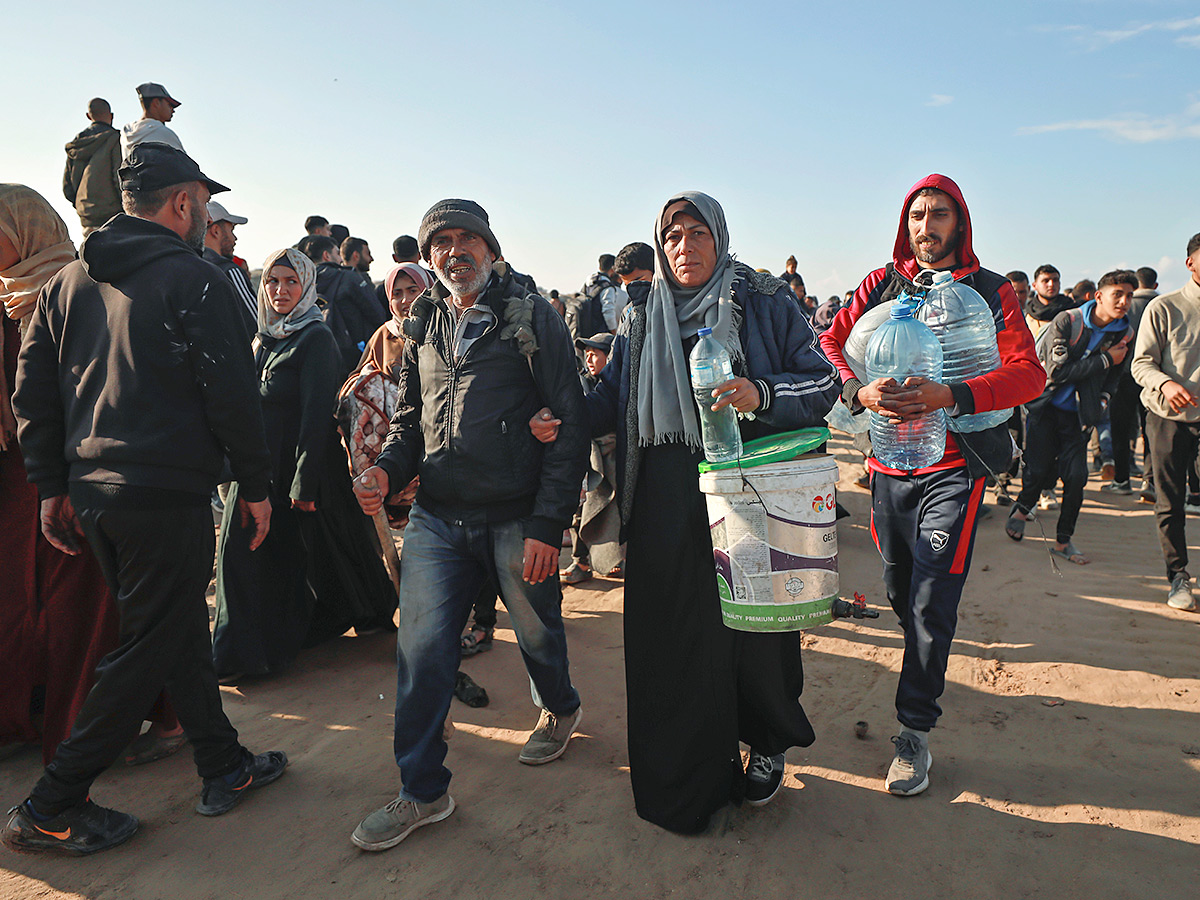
x=221 y=794
x=77 y=831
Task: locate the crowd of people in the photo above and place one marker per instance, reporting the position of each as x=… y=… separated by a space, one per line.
x=149 y=377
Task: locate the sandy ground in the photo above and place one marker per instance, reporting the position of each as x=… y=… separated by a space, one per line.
x=1067 y=761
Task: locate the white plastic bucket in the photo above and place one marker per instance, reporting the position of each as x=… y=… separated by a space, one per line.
x=774 y=539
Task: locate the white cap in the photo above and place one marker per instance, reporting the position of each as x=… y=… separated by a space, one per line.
x=218 y=213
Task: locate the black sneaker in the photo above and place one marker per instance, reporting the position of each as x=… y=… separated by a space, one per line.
x=219 y=796
x=764 y=775
x=77 y=831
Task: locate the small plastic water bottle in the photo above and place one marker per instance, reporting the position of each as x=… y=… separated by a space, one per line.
x=710 y=366
x=900 y=348
x=962 y=322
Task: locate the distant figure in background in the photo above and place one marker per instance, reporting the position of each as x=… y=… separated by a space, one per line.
x=350 y=308
x=90 y=178
x=316 y=225
x=339 y=233
x=796 y=284
x=404 y=250
x=595 y=530
x=356 y=255
x=1046 y=300
x=1020 y=285
x=789 y=268
x=1016 y=423
x=1147 y=291
x=219 y=241
x=635 y=262
x=822 y=316
x=603 y=300
x=1083 y=291
x=158 y=108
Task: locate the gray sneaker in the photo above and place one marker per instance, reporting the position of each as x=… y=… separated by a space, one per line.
x=550 y=738
x=909 y=772
x=1181 y=596
x=387 y=827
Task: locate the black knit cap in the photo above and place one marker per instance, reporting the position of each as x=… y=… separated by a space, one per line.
x=465 y=214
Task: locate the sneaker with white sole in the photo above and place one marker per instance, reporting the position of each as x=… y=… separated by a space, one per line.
x=386 y=827
x=1047 y=501
x=1181 y=596
x=909 y=772
x=764 y=775
x=1124 y=488
x=549 y=740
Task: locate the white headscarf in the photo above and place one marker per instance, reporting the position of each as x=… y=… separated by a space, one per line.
x=272 y=324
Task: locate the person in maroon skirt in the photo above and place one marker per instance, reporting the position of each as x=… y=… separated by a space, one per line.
x=57 y=617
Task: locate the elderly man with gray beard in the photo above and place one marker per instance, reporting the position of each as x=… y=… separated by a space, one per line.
x=482 y=355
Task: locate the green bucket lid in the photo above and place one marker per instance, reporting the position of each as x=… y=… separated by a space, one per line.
x=772 y=449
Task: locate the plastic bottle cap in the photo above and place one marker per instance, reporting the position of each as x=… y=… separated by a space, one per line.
x=704 y=332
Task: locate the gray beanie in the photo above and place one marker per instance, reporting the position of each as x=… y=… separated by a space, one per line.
x=465 y=214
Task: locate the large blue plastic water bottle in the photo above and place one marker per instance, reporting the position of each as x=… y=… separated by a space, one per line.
x=962 y=322
x=900 y=348
x=710 y=366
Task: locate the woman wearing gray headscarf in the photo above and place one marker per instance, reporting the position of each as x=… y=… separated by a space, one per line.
x=695 y=688
x=317 y=573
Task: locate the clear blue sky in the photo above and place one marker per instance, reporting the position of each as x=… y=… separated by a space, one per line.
x=1072 y=126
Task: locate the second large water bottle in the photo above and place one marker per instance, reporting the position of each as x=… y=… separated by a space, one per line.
x=962 y=322
x=710 y=366
x=901 y=348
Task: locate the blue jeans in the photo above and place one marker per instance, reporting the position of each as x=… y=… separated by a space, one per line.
x=444 y=566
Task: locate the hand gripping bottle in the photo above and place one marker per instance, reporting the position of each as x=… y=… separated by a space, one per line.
x=962 y=322
x=710 y=366
x=900 y=348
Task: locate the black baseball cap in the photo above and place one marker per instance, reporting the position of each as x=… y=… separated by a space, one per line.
x=153 y=165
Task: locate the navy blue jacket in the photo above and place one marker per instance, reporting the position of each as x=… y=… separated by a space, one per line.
x=796 y=384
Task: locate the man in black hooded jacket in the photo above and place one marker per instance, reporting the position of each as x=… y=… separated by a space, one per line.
x=131 y=388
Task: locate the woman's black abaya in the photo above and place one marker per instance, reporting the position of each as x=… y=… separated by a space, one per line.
x=695 y=688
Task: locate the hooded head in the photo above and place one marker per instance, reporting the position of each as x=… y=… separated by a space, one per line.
x=903 y=256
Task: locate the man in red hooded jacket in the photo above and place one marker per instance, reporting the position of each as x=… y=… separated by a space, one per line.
x=923 y=521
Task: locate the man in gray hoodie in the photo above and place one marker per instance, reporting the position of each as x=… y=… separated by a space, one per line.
x=1166 y=363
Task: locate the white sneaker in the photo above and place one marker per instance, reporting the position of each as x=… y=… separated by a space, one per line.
x=1047 y=501
x=1181 y=596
